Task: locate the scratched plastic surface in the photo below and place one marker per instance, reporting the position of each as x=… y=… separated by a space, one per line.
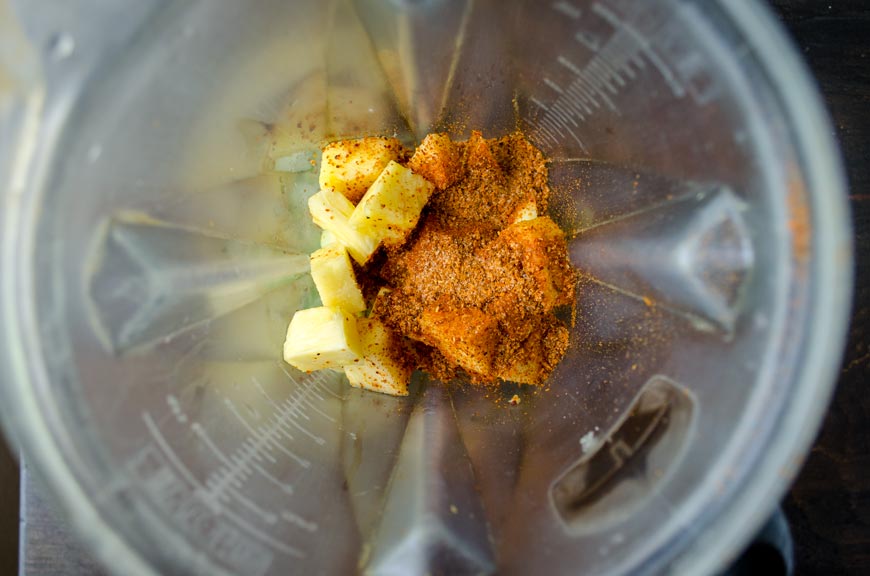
x=172 y=256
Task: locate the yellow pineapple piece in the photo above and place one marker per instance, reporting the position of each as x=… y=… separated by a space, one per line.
x=336 y=283
x=531 y=364
x=466 y=337
x=380 y=302
x=438 y=160
x=327 y=238
x=331 y=211
x=324 y=337
x=525 y=212
x=381 y=368
x=539 y=245
x=390 y=209
x=351 y=166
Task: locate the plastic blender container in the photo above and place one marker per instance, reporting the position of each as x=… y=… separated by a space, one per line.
x=156 y=160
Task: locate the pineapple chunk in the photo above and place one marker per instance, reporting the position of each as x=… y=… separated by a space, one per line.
x=333 y=275
x=330 y=211
x=381 y=368
x=539 y=246
x=319 y=338
x=532 y=362
x=438 y=160
x=380 y=303
x=525 y=212
x=327 y=238
x=351 y=166
x=390 y=209
x=466 y=337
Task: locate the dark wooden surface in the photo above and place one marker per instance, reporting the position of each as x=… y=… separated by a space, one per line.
x=829 y=506
x=8 y=511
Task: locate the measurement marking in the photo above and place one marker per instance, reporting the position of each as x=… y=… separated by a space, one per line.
x=174 y=497
x=320 y=382
x=545 y=128
x=613 y=64
x=311 y=385
x=274 y=404
x=262 y=390
x=280 y=411
x=235 y=411
x=638 y=61
x=293 y=407
x=263 y=440
x=589 y=75
x=234 y=472
x=596 y=68
x=563 y=113
x=170 y=455
x=587 y=40
x=610 y=70
x=579 y=99
x=577 y=106
x=175 y=408
x=592 y=75
x=290 y=408
x=568 y=64
x=625 y=68
x=567 y=9
x=644 y=45
x=299 y=521
x=543 y=131
x=286 y=488
x=252 y=451
x=267 y=517
x=310 y=403
x=311 y=379
x=326 y=386
x=583 y=86
x=557 y=116
x=547 y=123
x=577 y=89
x=576 y=139
x=269 y=434
x=553 y=85
x=538 y=103
x=559 y=129
x=548 y=133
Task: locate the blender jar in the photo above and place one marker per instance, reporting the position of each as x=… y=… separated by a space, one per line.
x=157 y=157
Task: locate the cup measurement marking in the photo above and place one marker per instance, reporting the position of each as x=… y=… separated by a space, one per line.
x=226 y=542
x=261 y=439
x=199 y=492
x=289 y=411
x=219 y=486
x=613 y=66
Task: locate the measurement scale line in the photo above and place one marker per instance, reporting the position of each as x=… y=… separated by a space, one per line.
x=259 y=441
x=170 y=455
x=231 y=469
x=644 y=45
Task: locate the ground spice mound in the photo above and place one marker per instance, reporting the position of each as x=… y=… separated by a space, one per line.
x=475 y=289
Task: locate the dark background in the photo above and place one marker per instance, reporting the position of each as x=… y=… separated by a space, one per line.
x=829 y=506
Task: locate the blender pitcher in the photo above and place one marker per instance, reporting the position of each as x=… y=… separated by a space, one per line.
x=157 y=157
